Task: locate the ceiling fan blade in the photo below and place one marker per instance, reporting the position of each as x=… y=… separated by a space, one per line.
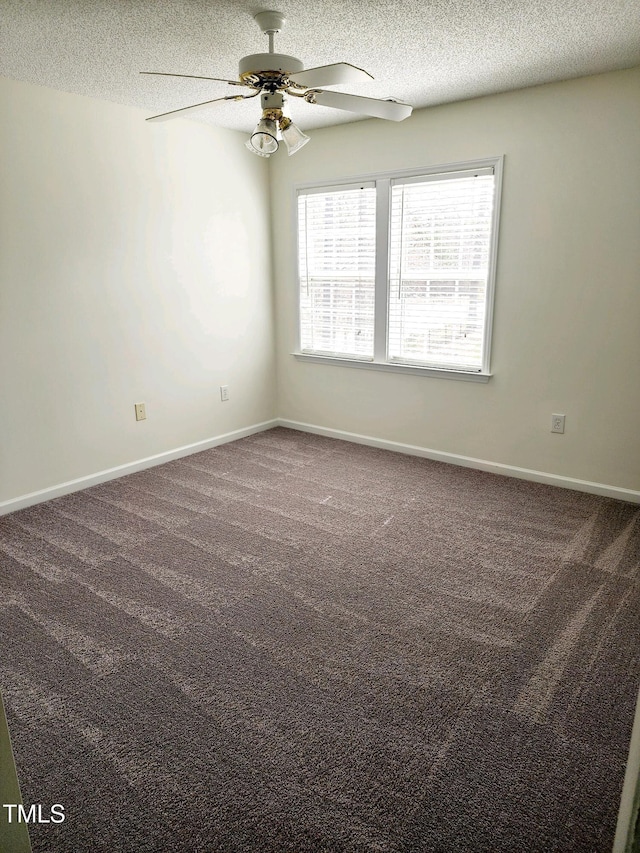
x=192 y=109
x=330 y=75
x=392 y=110
x=193 y=77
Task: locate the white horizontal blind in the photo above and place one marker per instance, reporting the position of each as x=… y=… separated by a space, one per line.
x=336 y=233
x=439 y=252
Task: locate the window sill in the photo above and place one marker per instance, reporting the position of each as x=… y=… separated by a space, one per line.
x=389 y=367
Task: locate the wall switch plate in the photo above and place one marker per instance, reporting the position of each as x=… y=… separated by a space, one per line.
x=557 y=423
x=141 y=412
x=224 y=393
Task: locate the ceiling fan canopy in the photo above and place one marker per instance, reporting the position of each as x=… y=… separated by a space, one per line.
x=272 y=75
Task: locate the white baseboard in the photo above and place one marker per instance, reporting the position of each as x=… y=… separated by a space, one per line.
x=470 y=462
x=130 y=468
x=629 y=812
x=467 y=461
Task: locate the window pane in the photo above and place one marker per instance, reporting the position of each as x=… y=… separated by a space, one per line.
x=440 y=239
x=336 y=231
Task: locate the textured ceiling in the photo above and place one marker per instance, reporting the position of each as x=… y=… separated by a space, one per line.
x=422 y=53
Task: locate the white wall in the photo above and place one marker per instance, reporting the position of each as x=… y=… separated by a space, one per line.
x=567 y=314
x=134 y=267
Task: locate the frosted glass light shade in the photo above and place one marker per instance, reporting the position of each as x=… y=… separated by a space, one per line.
x=294 y=138
x=264 y=138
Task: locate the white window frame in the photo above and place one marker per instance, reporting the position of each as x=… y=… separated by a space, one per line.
x=383 y=182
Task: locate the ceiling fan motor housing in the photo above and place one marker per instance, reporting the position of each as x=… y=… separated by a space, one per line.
x=259 y=63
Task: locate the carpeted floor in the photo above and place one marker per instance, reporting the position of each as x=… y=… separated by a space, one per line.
x=292 y=643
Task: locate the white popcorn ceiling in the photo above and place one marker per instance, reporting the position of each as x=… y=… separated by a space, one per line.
x=422 y=53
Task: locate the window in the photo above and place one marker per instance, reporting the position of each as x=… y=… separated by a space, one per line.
x=397 y=272
x=337 y=270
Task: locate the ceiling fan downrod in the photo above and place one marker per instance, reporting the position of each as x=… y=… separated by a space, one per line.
x=270 y=23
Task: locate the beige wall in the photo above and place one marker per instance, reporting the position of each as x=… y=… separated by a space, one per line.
x=567 y=314
x=134 y=267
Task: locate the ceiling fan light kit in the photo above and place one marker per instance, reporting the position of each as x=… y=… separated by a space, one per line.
x=273 y=126
x=271 y=75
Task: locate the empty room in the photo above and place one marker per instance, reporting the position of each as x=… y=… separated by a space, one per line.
x=320 y=418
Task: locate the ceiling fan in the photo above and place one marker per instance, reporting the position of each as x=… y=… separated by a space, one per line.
x=272 y=75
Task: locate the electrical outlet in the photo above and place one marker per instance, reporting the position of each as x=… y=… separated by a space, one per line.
x=557 y=423
x=141 y=412
x=224 y=393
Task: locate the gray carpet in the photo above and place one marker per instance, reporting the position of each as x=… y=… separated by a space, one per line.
x=292 y=643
